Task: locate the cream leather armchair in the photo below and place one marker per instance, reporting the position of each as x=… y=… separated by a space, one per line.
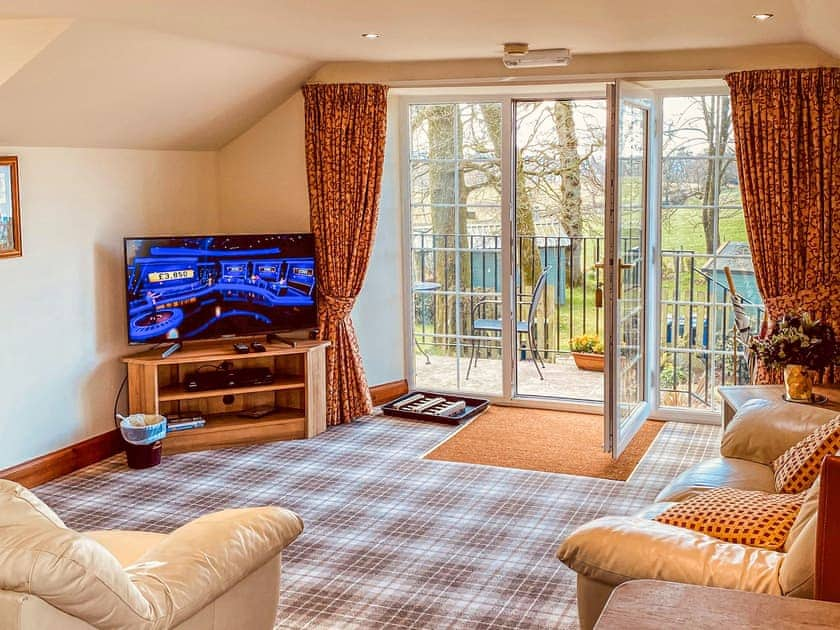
x=616 y=549
x=218 y=571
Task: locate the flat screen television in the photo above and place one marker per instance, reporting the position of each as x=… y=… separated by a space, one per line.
x=207 y=287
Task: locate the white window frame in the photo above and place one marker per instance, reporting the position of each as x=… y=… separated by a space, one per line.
x=659 y=411
x=506 y=98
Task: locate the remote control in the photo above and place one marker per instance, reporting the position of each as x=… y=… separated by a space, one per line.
x=256 y=346
x=241 y=348
x=171 y=350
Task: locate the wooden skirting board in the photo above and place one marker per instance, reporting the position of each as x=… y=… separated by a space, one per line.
x=65 y=460
x=388 y=391
x=71 y=458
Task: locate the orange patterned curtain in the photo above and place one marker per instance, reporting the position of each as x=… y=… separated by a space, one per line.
x=345 y=149
x=787 y=136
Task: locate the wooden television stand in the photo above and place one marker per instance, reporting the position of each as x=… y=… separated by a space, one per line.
x=298 y=393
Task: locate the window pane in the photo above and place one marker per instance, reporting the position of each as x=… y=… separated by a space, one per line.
x=433 y=183
x=481 y=183
x=697 y=125
x=481 y=130
x=732 y=226
x=730 y=189
x=689 y=229
x=433 y=131
x=688 y=181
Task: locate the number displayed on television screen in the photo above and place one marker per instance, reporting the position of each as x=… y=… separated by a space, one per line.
x=165 y=276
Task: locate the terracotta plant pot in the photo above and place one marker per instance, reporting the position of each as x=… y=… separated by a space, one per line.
x=589 y=361
x=798 y=384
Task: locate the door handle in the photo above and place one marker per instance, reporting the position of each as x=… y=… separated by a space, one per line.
x=622 y=266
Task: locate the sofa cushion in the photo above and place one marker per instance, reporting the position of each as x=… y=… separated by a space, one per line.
x=39 y=555
x=653 y=510
x=716 y=473
x=764 y=429
x=797 y=468
x=807 y=513
x=744 y=517
x=796 y=576
x=615 y=549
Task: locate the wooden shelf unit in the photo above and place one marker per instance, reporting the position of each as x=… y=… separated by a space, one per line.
x=155 y=385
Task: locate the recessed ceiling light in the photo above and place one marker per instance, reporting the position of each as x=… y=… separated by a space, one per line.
x=371 y=35
x=762 y=17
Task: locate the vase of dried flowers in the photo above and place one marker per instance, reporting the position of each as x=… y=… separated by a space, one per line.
x=798 y=345
x=798 y=384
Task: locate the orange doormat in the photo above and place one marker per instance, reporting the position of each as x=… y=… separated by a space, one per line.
x=550 y=441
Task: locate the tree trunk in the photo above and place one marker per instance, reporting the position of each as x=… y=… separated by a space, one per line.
x=570 y=216
x=717 y=117
x=448 y=222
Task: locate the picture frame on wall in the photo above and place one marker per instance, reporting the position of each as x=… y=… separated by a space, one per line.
x=10 y=235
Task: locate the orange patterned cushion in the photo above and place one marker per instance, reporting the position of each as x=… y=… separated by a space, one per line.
x=798 y=467
x=746 y=517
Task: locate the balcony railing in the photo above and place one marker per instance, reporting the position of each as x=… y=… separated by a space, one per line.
x=454 y=273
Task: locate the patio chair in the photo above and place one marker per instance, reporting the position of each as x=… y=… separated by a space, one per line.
x=741 y=329
x=494 y=326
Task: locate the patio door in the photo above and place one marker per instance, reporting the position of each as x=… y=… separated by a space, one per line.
x=626 y=264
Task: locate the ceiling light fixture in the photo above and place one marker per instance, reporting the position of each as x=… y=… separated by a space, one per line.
x=762 y=17
x=371 y=35
x=517 y=55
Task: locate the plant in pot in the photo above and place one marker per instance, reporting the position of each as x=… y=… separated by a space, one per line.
x=798 y=345
x=588 y=352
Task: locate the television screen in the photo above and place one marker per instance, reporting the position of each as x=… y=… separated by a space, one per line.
x=205 y=287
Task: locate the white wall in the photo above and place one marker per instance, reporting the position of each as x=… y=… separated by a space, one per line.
x=379 y=314
x=62 y=308
x=263 y=188
x=262 y=175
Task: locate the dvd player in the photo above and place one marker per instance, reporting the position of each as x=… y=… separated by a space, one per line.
x=228 y=379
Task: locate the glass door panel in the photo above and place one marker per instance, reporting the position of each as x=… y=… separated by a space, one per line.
x=559 y=159
x=456 y=227
x=626 y=268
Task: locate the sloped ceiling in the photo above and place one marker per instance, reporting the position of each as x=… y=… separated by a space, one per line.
x=21 y=40
x=102 y=85
x=193 y=74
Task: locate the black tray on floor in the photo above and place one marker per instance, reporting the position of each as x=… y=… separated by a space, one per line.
x=474 y=406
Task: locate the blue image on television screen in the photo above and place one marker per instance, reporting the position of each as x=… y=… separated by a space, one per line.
x=216 y=286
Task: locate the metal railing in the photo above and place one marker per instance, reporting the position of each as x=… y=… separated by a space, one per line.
x=698 y=350
x=453 y=273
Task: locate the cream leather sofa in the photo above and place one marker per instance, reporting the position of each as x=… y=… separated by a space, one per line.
x=616 y=549
x=219 y=571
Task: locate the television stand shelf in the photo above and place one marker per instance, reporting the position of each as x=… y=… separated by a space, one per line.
x=298 y=393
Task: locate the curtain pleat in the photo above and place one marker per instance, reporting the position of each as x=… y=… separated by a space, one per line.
x=345 y=149
x=787 y=138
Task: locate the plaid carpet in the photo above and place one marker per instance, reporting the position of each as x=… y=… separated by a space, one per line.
x=392 y=540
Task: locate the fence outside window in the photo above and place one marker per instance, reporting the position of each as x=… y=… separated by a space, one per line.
x=695 y=312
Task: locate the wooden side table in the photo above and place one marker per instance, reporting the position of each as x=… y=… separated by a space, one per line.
x=654 y=605
x=734 y=396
